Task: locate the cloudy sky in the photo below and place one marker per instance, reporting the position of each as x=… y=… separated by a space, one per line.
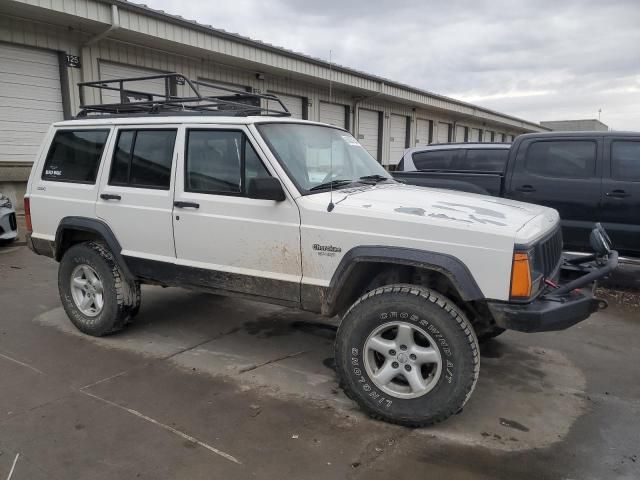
x=537 y=59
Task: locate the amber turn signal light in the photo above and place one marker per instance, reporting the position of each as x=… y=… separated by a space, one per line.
x=520 y=276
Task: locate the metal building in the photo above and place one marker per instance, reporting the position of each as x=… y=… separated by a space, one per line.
x=48 y=46
x=586 y=125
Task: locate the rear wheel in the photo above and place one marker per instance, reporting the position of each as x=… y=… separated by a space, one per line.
x=407 y=355
x=94 y=292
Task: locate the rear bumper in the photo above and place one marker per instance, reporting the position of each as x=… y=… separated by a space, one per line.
x=40 y=246
x=557 y=309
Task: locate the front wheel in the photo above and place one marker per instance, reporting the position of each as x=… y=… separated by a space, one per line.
x=407 y=355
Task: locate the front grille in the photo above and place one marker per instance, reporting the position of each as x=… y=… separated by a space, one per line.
x=548 y=254
x=12 y=221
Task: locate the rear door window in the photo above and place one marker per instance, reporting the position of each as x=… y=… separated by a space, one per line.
x=74 y=156
x=143 y=158
x=625 y=160
x=562 y=158
x=435 y=159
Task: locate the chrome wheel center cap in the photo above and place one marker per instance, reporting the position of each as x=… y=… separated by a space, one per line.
x=402 y=358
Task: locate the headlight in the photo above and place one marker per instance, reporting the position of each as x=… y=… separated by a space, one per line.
x=5 y=202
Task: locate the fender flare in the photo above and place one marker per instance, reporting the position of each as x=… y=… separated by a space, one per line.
x=98 y=227
x=453 y=268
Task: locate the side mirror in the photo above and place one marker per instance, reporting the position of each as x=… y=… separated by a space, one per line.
x=266 y=189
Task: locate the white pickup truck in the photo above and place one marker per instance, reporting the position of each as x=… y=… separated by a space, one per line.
x=233 y=198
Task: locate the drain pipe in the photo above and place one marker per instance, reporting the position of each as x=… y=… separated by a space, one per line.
x=115 y=25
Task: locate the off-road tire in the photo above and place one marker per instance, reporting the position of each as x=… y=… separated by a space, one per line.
x=119 y=294
x=454 y=338
x=134 y=308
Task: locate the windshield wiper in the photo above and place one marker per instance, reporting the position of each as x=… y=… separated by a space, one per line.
x=375 y=178
x=331 y=184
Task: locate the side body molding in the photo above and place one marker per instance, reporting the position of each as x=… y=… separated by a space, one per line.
x=450 y=266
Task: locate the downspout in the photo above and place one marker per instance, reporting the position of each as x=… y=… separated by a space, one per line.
x=115 y=25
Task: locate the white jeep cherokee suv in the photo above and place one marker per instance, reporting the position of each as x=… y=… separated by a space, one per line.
x=297 y=213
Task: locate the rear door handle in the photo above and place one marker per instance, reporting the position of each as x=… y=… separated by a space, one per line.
x=526 y=189
x=110 y=196
x=186 y=204
x=618 y=194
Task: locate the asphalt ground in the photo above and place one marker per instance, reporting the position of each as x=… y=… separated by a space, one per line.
x=206 y=387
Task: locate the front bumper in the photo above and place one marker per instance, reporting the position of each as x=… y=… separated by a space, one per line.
x=8 y=224
x=556 y=309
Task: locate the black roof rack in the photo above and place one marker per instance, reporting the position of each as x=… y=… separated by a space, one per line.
x=137 y=102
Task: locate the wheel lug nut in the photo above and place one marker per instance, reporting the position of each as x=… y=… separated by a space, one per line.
x=407 y=368
x=403 y=347
x=392 y=352
x=412 y=356
x=395 y=365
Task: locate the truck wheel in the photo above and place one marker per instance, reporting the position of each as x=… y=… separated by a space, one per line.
x=407 y=355
x=94 y=293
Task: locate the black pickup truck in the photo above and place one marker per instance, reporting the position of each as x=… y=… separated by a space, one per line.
x=588 y=177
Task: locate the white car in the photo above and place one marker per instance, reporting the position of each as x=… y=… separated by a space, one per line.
x=243 y=201
x=8 y=224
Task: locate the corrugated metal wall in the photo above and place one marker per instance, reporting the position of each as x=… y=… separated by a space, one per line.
x=19 y=31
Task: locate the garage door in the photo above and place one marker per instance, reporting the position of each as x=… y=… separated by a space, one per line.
x=461 y=133
x=444 y=132
x=293 y=104
x=397 y=138
x=110 y=71
x=30 y=100
x=369 y=130
x=474 y=135
x=487 y=136
x=423 y=128
x=214 y=92
x=333 y=114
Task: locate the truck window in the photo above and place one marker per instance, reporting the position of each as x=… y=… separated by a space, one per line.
x=625 y=160
x=485 y=160
x=74 y=156
x=215 y=161
x=142 y=159
x=435 y=159
x=562 y=158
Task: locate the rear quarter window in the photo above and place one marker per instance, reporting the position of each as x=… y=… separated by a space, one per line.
x=435 y=159
x=485 y=160
x=74 y=156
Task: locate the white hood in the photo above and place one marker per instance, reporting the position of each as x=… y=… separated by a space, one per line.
x=444 y=207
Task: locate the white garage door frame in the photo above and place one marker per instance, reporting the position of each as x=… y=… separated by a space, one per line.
x=398 y=137
x=424 y=131
x=334 y=114
x=30 y=101
x=444 y=132
x=297 y=106
x=462 y=134
x=370 y=131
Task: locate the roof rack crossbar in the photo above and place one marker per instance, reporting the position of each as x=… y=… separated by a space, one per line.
x=152 y=102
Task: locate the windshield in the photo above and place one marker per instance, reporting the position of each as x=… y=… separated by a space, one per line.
x=314 y=155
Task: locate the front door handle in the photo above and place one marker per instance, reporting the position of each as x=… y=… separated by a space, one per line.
x=526 y=189
x=186 y=204
x=618 y=194
x=110 y=196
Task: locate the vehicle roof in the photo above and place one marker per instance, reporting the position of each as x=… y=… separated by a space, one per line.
x=585 y=134
x=454 y=146
x=178 y=119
